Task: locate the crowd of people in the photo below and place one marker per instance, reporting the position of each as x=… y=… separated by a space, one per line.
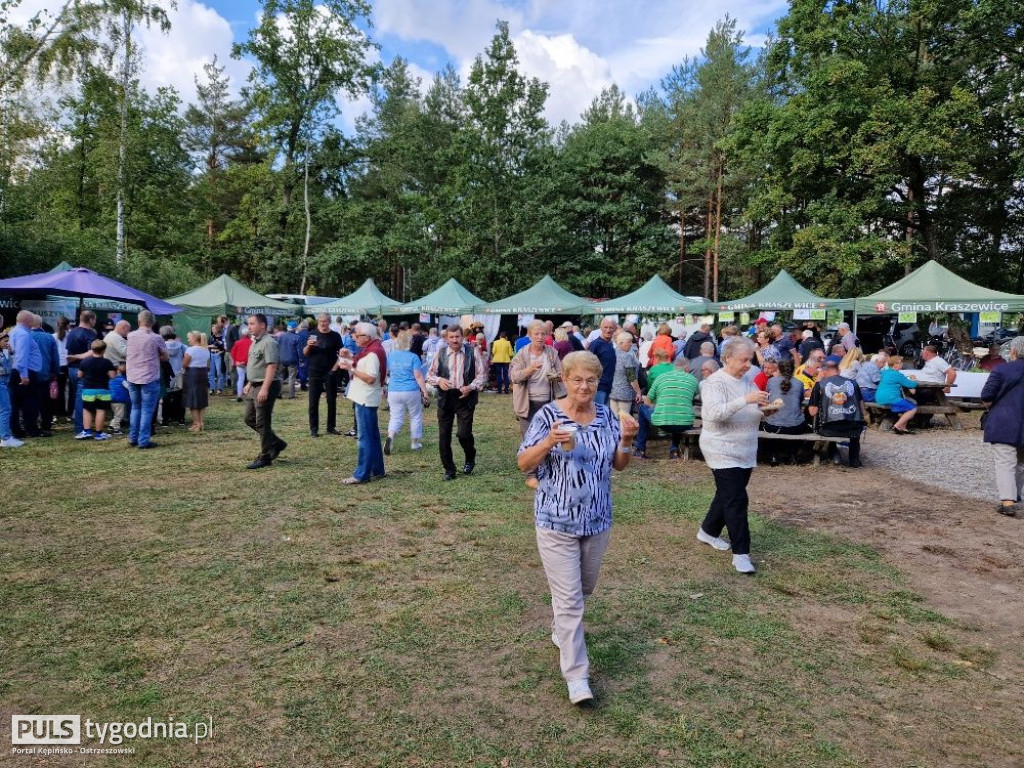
x=586 y=402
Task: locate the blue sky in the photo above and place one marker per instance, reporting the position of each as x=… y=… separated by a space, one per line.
x=577 y=46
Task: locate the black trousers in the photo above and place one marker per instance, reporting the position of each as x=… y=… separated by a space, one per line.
x=259 y=416
x=781 y=449
x=851 y=432
x=318 y=385
x=61 y=409
x=24 y=404
x=174 y=407
x=46 y=405
x=449 y=407
x=729 y=508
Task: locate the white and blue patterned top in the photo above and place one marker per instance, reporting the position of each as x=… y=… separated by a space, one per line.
x=575 y=492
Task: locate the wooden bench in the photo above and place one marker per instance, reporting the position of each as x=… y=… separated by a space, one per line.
x=820 y=443
x=883 y=414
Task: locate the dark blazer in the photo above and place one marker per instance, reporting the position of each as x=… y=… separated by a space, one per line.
x=1005 y=423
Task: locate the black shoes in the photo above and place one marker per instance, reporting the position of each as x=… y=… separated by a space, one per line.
x=149 y=445
x=280 y=446
x=387 y=445
x=333 y=432
x=351 y=433
x=259 y=463
x=468 y=469
x=449 y=476
x=314 y=433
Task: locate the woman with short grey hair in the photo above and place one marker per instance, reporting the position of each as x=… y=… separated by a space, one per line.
x=369 y=370
x=1003 y=395
x=573 y=444
x=731 y=416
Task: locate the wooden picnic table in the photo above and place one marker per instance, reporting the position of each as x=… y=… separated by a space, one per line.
x=943 y=405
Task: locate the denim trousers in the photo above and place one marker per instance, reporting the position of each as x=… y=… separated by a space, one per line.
x=5 y=410
x=371 y=453
x=75 y=398
x=216 y=375
x=144 y=399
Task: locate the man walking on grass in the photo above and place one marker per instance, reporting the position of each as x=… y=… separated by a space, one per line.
x=262 y=390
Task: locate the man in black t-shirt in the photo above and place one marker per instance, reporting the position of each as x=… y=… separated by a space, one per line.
x=79 y=343
x=321 y=351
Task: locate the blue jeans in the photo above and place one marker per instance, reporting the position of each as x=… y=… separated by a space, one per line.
x=601 y=398
x=371 y=454
x=76 y=384
x=5 y=410
x=144 y=398
x=216 y=374
x=644 y=417
x=501 y=380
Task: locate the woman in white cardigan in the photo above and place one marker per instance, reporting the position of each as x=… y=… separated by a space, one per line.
x=731 y=415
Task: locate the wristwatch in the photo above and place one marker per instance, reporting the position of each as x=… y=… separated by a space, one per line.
x=628 y=450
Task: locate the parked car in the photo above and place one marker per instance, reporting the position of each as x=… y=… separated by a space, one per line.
x=878 y=332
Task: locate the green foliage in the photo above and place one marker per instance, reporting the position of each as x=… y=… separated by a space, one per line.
x=863 y=139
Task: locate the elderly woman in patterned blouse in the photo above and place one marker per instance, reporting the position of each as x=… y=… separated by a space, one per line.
x=573 y=444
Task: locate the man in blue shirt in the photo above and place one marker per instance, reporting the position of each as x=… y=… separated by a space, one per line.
x=51 y=367
x=79 y=346
x=604 y=349
x=289 y=347
x=26 y=374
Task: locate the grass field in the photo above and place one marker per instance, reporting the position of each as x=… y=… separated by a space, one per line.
x=406 y=622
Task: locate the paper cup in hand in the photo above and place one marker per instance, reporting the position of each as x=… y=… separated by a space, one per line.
x=570 y=444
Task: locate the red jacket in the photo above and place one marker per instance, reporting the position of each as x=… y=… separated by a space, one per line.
x=240 y=351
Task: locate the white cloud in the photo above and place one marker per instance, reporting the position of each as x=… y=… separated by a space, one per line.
x=575 y=74
x=197 y=34
x=462 y=27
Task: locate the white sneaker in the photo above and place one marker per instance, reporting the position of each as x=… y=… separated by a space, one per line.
x=579 y=691
x=742 y=564
x=714 y=541
x=417 y=446
x=84 y=435
x=11 y=442
x=554 y=640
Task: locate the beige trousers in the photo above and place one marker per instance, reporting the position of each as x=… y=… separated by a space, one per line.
x=1008 y=462
x=572 y=565
x=621 y=406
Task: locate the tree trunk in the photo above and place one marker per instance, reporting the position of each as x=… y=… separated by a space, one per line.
x=707 y=246
x=309 y=222
x=718 y=230
x=122 y=148
x=682 y=249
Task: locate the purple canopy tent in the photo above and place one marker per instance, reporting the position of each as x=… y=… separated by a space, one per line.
x=84 y=283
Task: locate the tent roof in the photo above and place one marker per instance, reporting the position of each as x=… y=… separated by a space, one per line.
x=933 y=288
x=366 y=299
x=225 y=294
x=782 y=293
x=452 y=298
x=544 y=296
x=62 y=267
x=654 y=296
x=84 y=283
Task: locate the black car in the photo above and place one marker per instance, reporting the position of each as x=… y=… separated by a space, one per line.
x=882 y=332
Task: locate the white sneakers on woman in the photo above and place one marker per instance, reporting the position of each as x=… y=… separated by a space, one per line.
x=714 y=541
x=579 y=691
x=742 y=564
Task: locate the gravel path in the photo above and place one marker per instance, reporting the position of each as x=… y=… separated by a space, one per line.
x=954 y=460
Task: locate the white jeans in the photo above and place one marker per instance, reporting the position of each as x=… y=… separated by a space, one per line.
x=240 y=381
x=401 y=402
x=572 y=565
x=1008 y=462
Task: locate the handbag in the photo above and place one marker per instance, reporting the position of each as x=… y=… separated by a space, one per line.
x=984 y=416
x=53 y=390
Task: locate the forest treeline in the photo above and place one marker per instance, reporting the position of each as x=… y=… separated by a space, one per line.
x=863 y=139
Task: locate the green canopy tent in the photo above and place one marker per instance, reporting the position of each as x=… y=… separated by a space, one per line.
x=452 y=298
x=781 y=294
x=933 y=288
x=224 y=296
x=655 y=297
x=365 y=300
x=545 y=296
